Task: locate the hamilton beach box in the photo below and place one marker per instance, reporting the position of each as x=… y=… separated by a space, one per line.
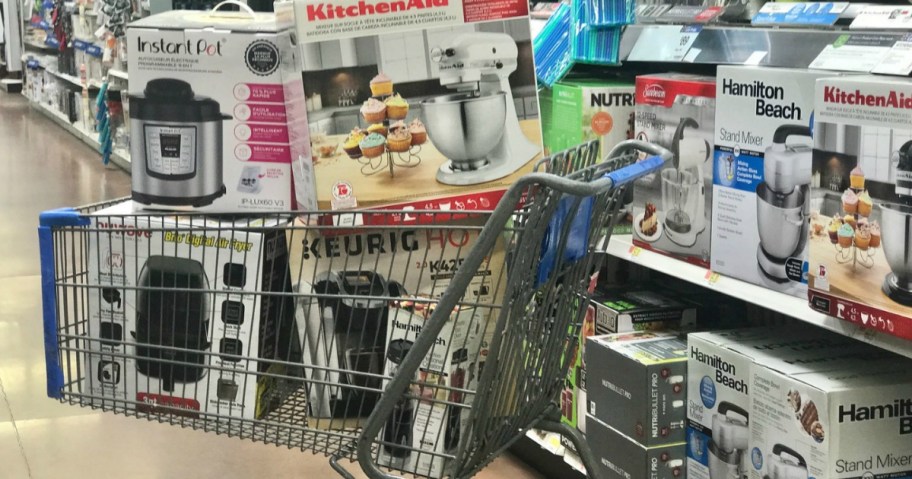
x=217 y=112
x=423 y=104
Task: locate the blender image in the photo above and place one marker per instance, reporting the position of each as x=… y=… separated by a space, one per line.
x=782 y=206
x=896 y=219
x=683 y=190
x=728 y=447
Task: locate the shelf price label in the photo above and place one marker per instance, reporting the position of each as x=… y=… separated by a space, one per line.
x=883 y=17
x=800 y=13
x=51 y=42
x=665 y=43
x=94 y=50
x=80 y=45
x=857 y=52
x=635 y=251
x=712 y=277
x=897 y=61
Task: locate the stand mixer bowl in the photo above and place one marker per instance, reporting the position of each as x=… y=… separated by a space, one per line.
x=465 y=127
x=680 y=193
x=896 y=222
x=781 y=223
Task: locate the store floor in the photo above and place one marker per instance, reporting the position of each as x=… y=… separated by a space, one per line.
x=45 y=167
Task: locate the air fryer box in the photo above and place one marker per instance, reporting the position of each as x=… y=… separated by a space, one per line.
x=762 y=175
x=620 y=457
x=862 y=154
x=644 y=390
x=851 y=422
x=423 y=424
x=148 y=275
x=459 y=76
x=217 y=111
x=672 y=207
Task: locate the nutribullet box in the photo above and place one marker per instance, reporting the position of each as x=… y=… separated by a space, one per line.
x=179 y=312
x=643 y=394
x=762 y=175
x=419 y=105
x=217 y=113
x=862 y=168
x=620 y=457
x=584 y=109
x=672 y=207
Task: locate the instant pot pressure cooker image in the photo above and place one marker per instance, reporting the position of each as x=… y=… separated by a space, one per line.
x=172 y=320
x=177 y=152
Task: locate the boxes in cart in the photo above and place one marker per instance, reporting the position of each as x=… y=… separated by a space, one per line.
x=858 y=268
x=179 y=317
x=620 y=457
x=205 y=143
x=672 y=207
x=422 y=105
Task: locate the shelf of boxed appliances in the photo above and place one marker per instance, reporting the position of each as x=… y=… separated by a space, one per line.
x=119 y=157
x=65 y=77
x=622 y=247
x=735 y=44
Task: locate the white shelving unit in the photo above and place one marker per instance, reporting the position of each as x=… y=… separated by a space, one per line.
x=118 y=74
x=621 y=246
x=119 y=157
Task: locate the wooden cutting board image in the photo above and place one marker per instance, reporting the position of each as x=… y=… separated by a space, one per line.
x=406 y=184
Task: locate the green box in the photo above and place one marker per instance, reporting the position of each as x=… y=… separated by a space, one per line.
x=579 y=110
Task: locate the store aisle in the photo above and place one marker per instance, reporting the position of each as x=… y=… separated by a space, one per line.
x=45 y=168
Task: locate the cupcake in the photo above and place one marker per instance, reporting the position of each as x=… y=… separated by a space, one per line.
x=396 y=107
x=399 y=125
x=418 y=131
x=850 y=202
x=399 y=140
x=862 y=239
x=381 y=85
x=832 y=230
x=352 y=146
x=875 y=234
x=373 y=111
x=372 y=145
x=849 y=220
x=845 y=233
x=377 y=128
x=865 y=204
x=856 y=178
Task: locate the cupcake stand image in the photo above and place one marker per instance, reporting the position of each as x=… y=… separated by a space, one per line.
x=855 y=238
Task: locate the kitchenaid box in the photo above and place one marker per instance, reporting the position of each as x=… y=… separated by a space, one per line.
x=620 y=457
x=762 y=175
x=424 y=424
x=849 y=423
x=643 y=393
x=672 y=207
x=859 y=267
x=218 y=112
x=419 y=105
x=185 y=307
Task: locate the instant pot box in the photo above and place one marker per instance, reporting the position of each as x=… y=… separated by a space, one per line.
x=643 y=393
x=155 y=295
x=862 y=172
x=217 y=112
x=620 y=457
x=847 y=423
x=762 y=175
x=419 y=105
x=672 y=207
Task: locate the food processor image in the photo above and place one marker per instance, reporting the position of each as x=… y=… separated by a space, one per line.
x=785 y=463
x=177 y=155
x=782 y=203
x=728 y=447
x=683 y=189
x=896 y=222
x=477 y=128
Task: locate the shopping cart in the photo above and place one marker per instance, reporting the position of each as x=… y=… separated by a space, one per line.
x=421 y=347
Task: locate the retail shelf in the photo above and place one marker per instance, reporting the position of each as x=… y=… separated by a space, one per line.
x=622 y=247
x=118 y=74
x=118 y=157
x=737 y=44
x=39 y=46
x=71 y=79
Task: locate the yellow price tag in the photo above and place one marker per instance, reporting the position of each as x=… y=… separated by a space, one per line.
x=635 y=251
x=712 y=277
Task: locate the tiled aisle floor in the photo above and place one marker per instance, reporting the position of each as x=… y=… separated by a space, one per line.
x=44 y=167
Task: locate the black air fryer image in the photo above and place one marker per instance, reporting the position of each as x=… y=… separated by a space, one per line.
x=399 y=425
x=111 y=333
x=109 y=372
x=227 y=390
x=172 y=312
x=111 y=296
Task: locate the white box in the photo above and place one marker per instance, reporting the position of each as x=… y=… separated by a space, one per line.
x=146 y=274
x=218 y=116
x=763 y=171
x=676 y=111
x=848 y=423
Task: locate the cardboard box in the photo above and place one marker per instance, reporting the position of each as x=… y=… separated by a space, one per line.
x=861 y=147
x=369 y=64
x=644 y=389
x=621 y=457
x=762 y=175
x=152 y=297
x=846 y=423
x=216 y=112
x=672 y=207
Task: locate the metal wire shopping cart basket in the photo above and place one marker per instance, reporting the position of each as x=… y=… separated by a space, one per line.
x=420 y=348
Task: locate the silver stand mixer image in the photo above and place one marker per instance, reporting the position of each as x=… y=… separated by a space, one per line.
x=782 y=206
x=728 y=447
x=683 y=188
x=896 y=219
x=477 y=128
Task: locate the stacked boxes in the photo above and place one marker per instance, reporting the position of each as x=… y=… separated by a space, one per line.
x=620 y=457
